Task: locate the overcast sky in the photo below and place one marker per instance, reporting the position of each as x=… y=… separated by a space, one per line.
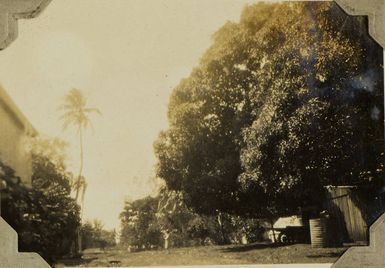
x=126 y=56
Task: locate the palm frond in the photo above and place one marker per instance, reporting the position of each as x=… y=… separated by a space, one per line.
x=75 y=111
x=93 y=110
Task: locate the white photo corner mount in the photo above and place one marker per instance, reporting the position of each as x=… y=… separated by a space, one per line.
x=11 y=11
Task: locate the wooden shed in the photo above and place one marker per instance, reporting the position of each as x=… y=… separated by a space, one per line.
x=347 y=212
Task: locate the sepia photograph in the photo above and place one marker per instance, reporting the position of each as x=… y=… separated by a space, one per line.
x=191 y=132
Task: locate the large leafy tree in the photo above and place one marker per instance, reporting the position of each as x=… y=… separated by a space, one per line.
x=318 y=118
x=284 y=102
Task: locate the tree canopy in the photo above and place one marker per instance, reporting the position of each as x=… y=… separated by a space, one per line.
x=94 y=235
x=284 y=102
x=139 y=227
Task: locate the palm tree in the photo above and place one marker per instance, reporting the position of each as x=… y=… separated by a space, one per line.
x=77 y=114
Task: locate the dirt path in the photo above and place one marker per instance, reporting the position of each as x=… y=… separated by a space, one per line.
x=249 y=254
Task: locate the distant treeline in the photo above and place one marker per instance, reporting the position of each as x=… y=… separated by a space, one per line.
x=95 y=236
x=164 y=221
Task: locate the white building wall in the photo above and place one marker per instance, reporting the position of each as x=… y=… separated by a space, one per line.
x=14 y=134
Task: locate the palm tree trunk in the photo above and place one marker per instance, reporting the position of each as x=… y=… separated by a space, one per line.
x=79 y=235
x=81 y=151
x=81 y=162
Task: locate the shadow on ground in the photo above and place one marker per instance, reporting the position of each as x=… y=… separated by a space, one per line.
x=76 y=261
x=325 y=255
x=253 y=246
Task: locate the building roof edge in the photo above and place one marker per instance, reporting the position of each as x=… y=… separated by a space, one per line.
x=17 y=114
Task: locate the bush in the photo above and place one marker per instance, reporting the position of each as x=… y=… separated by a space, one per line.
x=44 y=216
x=94 y=236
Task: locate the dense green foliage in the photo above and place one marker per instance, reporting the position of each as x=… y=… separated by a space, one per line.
x=151 y=221
x=284 y=102
x=95 y=236
x=44 y=216
x=139 y=223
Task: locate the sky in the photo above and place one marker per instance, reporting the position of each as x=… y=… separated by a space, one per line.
x=126 y=56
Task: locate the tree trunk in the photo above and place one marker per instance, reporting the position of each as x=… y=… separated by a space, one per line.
x=272 y=228
x=78 y=232
x=79 y=237
x=221 y=227
x=81 y=163
x=244 y=240
x=166 y=237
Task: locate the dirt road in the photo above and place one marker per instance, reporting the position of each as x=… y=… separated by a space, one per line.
x=261 y=253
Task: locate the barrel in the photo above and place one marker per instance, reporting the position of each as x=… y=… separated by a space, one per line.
x=318 y=233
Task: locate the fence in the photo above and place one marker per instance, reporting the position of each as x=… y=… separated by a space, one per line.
x=347 y=210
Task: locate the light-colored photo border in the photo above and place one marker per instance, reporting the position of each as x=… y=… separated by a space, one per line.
x=368 y=256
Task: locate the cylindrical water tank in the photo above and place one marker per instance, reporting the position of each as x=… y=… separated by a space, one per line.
x=318 y=233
